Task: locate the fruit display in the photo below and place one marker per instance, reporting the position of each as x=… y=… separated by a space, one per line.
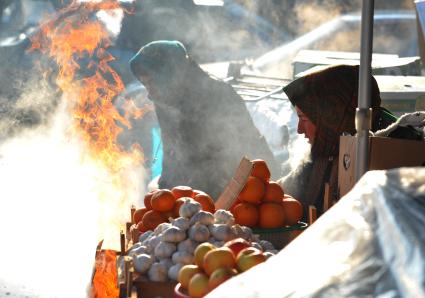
x=262 y=202
x=214 y=265
x=163 y=204
x=169 y=245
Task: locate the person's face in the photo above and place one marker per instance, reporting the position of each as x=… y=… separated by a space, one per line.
x=150 y=86
x=305 y=126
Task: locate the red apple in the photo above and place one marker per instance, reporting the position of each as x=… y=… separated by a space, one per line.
x=198 y=285
x=218 y=258
x=219 y=276
x=236 y=245
x=248 y=258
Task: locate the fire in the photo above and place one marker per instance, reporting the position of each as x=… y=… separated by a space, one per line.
x=69 y=38
x=105 y=278
x=78 y=44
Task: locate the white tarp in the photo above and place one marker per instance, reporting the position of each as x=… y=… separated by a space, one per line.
x=370 y=244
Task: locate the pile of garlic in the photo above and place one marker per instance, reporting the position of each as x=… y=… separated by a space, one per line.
x=161 y=253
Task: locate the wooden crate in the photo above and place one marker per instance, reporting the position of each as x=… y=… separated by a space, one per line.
x=384 y=153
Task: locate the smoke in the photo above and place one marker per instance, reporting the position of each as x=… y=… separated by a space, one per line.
x=56 y=204
x=299 y=150
x=57 y=201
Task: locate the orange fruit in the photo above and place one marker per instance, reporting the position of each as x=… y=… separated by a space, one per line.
x=147 y=199
x=176 y=207
x=167 y=214
x=237 y=201
x=152 y=219
x=182 y=191
x=253 y=190
x=245 y=214
x=141 y=227
x=273 y=192
x=260 y=170
x=163 y=200
x=293 y=210
x=197 y=192
x=138 y=215
x=206 y=202
x=272 y=215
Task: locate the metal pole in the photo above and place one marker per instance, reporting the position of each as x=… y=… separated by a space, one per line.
x=364 y=112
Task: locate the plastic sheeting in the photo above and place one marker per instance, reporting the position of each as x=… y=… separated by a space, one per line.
x=370 y=244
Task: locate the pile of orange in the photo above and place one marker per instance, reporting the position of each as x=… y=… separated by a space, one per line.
x=263 y=203
x=161 y=204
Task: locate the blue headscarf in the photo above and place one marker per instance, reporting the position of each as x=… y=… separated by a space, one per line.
x=159 y=60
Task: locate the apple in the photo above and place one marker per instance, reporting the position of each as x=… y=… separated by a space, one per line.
x=198 y=285
x=218 y=258
x=200 y=252
x=236 y=245
x=219 y=276
x=186 y=273
x=248 y=258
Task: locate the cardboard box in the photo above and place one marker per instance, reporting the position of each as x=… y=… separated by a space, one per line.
x=235 y=185
x=384 y=153
x=382 y=64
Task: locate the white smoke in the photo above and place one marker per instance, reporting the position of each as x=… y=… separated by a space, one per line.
x=56 y=204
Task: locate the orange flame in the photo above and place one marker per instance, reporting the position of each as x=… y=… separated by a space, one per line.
x=69 y=38
x=105 y=279
x=72 y=36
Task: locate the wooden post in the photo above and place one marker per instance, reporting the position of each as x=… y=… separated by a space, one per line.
x=132 y=210
x=327 y=198
x=122 y=242
x=312 y=214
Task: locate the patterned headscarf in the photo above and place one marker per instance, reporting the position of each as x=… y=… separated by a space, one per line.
x=329 y=99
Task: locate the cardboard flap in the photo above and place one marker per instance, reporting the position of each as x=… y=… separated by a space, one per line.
x=235 y=185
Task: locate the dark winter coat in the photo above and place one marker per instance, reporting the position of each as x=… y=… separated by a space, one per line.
x=329 y=99
x=205 y=126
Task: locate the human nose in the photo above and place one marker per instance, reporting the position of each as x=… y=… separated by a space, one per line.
x=300 y=128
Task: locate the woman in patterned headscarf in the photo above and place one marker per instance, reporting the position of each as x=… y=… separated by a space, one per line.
x=326 y=103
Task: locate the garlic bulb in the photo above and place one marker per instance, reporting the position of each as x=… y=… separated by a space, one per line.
x=248 y=233
x=268 y=254
x=182 y=257
x=181 y=222
x=189 y=208
x=257 y=245
x=203 y=217
x=224 y=217
x=161 y=228
x=222 y=232
x=166 y=262
x=134 y=251
x=218 y=243
x=158 y=272
x=164 y=249
x=273 y=251
x=187 y=245
x=266 y=245
x=173 y=272
x=173 y=234
x=152 y=242
x=145 y=236
x=142 y=263
x=199 y=232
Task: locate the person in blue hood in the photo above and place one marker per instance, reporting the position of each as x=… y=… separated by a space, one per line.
x=205 y=126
